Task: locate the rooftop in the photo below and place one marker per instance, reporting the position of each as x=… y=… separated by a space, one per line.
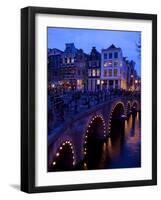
x=112 y=47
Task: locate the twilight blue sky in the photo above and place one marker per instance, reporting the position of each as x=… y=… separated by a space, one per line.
x=87 y=38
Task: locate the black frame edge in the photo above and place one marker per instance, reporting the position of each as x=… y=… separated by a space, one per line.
x=24 y=101
x=154 y=99
x=27 y=101
x=92 y=13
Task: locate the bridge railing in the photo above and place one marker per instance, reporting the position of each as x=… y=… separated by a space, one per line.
x=65 y=105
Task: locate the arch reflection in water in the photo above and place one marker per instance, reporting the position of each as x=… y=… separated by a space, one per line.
x=124 y=151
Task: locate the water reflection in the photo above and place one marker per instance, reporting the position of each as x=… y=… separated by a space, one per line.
x=121 y=150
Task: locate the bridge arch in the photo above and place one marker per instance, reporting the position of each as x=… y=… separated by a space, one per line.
x=117 y=111
x=128 y=108
x=135 y=106
x=94 y=136
x=96 y=127
x=78 y=131
x=64 y=157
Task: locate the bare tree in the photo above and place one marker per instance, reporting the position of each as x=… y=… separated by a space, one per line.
x=138 y=46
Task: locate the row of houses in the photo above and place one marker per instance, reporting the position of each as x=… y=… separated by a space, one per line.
x=74 y=69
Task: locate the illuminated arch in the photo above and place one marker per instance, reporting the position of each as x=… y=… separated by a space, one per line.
x=95 y=119
x=56 y=162
x=111 y=114
x=135 y=105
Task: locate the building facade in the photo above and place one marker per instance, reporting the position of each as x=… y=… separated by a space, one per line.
x=113 y=68
x=54 y=64
x=81 y=63
x=73 y=69
x=68 y=68
x=94 y=70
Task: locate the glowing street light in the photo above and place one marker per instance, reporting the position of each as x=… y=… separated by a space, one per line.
x=53 y=85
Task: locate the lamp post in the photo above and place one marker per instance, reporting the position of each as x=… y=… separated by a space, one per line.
x=136 y=84
x=132 y=81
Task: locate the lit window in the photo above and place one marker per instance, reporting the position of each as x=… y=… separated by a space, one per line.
x=98 y=82
x=93 y=72
x=68 y=60
x=98 y=72
x=115 y=72
x=109 y=63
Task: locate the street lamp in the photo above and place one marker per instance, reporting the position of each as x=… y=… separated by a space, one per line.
x=53 y=85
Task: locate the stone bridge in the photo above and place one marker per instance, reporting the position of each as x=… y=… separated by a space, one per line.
x=71 y=137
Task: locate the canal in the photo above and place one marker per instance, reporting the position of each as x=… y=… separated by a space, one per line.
x=121 y=150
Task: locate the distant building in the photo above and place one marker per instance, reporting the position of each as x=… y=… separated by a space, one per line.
x=54 y=64
x=68 y=68
x=94 y=70
x=73 y=67
x=113 y=68
x=81 y=62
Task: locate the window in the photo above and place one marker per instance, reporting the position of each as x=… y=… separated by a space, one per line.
x=110 y=72
x=115 y=72
x=98 y=72
x=89 y=72
x=72 y=60
x=116 y=55
x=115 y=63
x=93 y=72
x=98 y=81
x=110 y=55
x=110 y=63
x=105 y=72
x=68 y=60
x=105 y=55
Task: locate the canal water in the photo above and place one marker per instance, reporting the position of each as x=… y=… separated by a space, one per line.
x=121 y=150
